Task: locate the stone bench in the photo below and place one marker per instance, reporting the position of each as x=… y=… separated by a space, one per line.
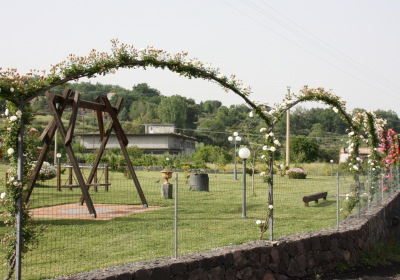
x=314 y=197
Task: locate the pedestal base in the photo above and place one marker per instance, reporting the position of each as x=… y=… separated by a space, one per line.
x=166 y=191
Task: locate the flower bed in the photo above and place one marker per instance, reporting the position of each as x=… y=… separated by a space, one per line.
x=296 y=173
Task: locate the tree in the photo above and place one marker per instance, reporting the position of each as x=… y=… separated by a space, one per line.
x=123 y=116
x=392 y=118
x=144 y=91
x=211 y=106
x=173 y=109
x=303 y=149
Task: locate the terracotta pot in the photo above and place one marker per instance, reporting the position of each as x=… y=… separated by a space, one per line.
x=166 y=175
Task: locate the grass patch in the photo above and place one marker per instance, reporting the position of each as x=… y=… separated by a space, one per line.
x=206 y=220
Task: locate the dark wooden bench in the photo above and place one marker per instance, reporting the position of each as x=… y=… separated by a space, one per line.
x=314 y=197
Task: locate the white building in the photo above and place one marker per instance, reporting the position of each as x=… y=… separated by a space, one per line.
x=157 y=140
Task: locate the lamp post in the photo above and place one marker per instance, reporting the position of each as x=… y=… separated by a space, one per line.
x=244 y=154
x=331 y=167
x=238 y=139
x=58 y=156
x=167 y=161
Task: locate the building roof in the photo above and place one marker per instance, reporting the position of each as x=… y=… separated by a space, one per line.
x=142 y=134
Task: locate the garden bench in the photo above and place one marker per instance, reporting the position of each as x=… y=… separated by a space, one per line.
x=314 y=197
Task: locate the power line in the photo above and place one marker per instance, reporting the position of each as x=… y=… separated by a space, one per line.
x=309 y=51
x=359 y=67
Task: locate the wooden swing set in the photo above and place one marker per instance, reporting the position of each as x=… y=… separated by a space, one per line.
x=57 y=104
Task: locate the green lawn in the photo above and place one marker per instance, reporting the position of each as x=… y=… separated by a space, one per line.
x=206 y=220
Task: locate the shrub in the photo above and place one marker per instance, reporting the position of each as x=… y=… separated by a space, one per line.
x=296 y=173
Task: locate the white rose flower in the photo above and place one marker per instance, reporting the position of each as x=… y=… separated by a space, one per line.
x=262 y=174
x=15 y=183
x=113 y=71
x=251 y=114
x=221 y=76
x=272 y=149
x=258 y=222
x=271 y=207
x=263 y=129
x=276 y=142
x=13 y=118
x=3 y=195
x=12 y=89
x=265 y=148
x=7 y=112
x=335 y=109
x=10 y=151
x=18 y=113
x=262 y=156
x=271 y=134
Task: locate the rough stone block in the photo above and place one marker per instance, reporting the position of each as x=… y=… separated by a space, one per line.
x=334 y=245
x=228 y=260
x=161 y=272
x=166 y=191
x=240 y=260
x=315 y=243
x=177 y=268
x=192 y=264
x=293 y=269
x=230 y=273
x=275 y=254
x=206 y=263
x=246 y=273
x=217 y=273
x=302 y=262
x=196 y=274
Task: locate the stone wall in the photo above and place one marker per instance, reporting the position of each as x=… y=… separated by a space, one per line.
x=288 y=257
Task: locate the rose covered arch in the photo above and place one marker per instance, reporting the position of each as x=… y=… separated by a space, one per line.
x=19 y=90
x=361 y=123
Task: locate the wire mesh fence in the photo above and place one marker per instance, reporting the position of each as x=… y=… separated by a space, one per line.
x=124 y=231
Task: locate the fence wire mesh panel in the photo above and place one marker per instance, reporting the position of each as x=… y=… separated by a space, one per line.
x=124 y=231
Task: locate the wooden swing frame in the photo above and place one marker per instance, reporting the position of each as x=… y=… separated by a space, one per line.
x=56 y=123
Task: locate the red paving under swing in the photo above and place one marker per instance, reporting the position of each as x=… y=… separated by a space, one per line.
x=74 y=211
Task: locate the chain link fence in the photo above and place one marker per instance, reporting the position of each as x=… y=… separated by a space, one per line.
x=124 y=231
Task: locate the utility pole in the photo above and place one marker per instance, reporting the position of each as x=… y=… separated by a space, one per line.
x=288 y=132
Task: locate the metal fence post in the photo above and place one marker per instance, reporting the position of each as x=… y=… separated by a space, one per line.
x=337 y=199
x=376 y=187
x=20 y=173
x=176 y=215
x=382 y=178
x=368 y=186
x=358 y=191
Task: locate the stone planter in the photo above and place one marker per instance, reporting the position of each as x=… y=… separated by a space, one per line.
x=198 y=182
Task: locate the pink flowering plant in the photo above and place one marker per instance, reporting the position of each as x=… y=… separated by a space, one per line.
x=296 y=173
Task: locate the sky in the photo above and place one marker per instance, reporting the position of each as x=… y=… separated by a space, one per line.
x=348 y=47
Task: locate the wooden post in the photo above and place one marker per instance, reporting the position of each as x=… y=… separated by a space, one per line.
x=95 y=180
x=46 y=138
x=71 y=155
x=106 y=176
x=58 y=177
